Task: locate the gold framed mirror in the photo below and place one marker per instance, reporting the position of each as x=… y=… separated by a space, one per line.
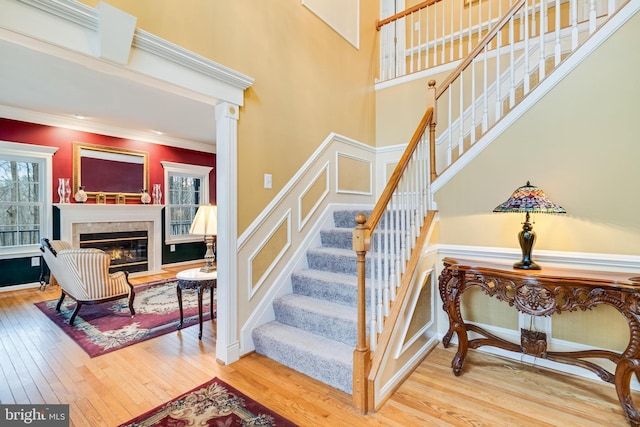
x=109 y=170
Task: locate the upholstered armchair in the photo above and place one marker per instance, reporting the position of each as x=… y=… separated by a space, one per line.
x=83 y=275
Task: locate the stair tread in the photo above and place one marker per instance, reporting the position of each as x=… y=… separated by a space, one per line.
x=333 y=251
x=320 y=306
x=346 y=279
x=326 y=360
x=337 y=229
x=308 y=342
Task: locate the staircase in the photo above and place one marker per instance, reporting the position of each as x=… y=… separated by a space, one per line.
x=315 y=327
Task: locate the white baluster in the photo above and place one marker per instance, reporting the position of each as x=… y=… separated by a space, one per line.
x=534 y=26
x=558 y=48
x=435 y=34
x=485 y=115
x=460 y=31
x=498 y=111
x=443 y=30
x=470 y=47
x=541 y=67
x=412 y=46
x=573 y=6
x=450 y=135
x=426 y=37
x=450 y=32
x=545 y=6
x=512 y=65
x=527 y=73
x=419 y=30
x=592 y=16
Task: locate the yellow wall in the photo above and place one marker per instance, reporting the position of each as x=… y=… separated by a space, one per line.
x=579 y=144
x=309 y=81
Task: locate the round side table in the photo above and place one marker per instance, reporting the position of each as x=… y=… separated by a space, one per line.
x=196 y=279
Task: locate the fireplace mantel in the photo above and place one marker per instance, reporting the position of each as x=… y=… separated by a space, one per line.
x=74 y=215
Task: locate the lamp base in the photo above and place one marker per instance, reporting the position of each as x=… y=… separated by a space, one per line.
x=527 y=238
x=208 y=269
x=526 y=265
x=209 y=256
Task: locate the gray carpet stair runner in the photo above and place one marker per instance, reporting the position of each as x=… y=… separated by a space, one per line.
x=315 y=329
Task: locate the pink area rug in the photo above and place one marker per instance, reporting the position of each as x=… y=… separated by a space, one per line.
x=103 y=328
x=214 y=403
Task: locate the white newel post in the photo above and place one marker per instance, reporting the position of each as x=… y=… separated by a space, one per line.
x=228 y=343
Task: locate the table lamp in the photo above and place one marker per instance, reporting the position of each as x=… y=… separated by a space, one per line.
x=206 y=223
x=529 y=199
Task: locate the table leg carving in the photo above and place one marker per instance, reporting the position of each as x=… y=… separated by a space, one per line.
x=449 y=286
x=446 y=340
x=463 y=346
x=625 y=368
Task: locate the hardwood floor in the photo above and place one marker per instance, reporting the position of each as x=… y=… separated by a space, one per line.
x=40 y=364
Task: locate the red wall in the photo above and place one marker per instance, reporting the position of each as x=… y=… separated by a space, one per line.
x=29 y=133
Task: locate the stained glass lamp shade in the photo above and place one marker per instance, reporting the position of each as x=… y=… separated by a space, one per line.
x=528 y=199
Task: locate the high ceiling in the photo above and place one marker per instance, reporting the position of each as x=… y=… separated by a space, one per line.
x=56 y=89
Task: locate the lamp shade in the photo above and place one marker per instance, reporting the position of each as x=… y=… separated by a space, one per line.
x=206 y=221
x=529 y=198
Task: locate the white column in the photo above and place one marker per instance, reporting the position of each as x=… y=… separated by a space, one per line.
x=228 y=343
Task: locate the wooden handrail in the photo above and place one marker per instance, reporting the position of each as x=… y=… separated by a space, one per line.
x=476 y=51
x=405 y=12
x=392 y=184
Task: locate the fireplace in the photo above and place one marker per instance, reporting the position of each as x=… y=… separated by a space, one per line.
x=121 y=221
x=128 y=250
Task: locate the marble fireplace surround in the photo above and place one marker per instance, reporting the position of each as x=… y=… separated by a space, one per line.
x=77 y=218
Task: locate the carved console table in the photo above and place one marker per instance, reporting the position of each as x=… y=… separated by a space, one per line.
x=543 y=293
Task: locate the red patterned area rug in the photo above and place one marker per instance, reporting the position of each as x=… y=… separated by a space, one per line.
x=214 y=403
x=103 y=328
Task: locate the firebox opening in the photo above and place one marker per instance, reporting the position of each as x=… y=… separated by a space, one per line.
x=128 y=249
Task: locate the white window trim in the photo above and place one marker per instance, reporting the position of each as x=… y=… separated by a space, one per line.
x=190 y=170
x=44 y=153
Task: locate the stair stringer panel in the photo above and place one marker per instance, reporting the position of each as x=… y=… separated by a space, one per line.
x=414 y=334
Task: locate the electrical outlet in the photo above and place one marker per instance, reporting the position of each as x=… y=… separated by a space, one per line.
x=267 y=180
x=172 y=248
x=35 y=261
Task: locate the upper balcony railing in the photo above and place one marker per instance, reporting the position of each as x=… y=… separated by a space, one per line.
x=438 y=32
x=506 y=49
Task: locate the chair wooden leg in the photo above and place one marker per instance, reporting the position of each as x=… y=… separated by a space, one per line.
x=132 y=296
x=75 y=313
x=62 y=295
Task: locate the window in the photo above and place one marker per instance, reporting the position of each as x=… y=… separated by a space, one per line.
x=186 y=188
x=25 y=196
